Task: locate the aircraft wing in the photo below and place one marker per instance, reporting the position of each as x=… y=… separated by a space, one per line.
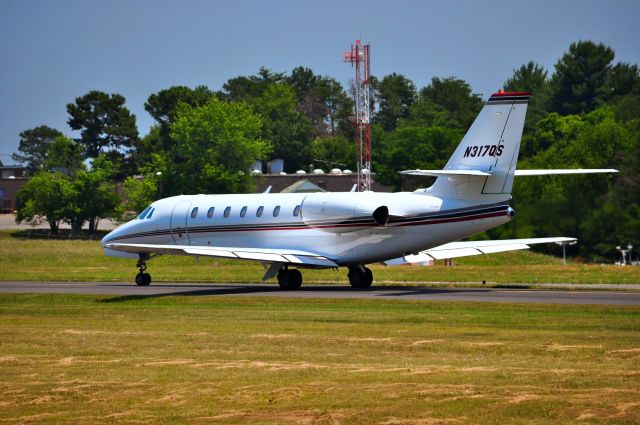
x=282 y=256
x=467 y=248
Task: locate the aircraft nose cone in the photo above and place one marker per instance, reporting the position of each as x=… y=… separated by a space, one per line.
x=511 y=212
x=106 y=239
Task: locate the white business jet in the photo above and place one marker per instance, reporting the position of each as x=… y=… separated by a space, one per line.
x=289 y=232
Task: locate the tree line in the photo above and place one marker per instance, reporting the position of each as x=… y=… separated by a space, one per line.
x=585 y=113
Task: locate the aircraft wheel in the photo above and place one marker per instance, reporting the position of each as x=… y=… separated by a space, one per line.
x=360 y=279
x=143 y=279
x=296 y=278
x=290 y=279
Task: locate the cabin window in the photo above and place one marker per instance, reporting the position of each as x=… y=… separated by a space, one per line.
x=296 y=211
x=150 y=213
x=143 y=213
x=243 y=211
x=210 y=212
x=276 y=211
x=259 y=211
x=227 y=211
x=194 y=212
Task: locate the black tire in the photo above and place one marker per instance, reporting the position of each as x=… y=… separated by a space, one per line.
x=296 y=279
x=290 y=280
x=143 y=279
x=359 y=279
x=284 y=279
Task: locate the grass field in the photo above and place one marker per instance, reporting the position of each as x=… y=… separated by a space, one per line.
x=78 y=260
x=86 y=359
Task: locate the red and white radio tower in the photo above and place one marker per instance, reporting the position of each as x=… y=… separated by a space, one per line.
x=358 y=57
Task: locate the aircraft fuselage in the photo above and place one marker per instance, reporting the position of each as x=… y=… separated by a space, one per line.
x=347 y=227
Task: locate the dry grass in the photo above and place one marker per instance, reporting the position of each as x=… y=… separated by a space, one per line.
x=84 y=359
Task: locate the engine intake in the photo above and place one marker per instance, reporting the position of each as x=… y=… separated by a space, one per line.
x=381 y=215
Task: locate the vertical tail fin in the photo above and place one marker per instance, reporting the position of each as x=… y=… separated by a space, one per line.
x=491 y=146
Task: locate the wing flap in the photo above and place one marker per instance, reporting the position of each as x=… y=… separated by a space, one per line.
x=288 y=256
x=452 y=253
x=468 y=248
x=502 y=248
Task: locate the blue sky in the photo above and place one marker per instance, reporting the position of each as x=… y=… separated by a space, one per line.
x=55 y=51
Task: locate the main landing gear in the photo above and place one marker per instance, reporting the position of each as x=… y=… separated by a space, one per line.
x=289 y=279
x=360 y=277
x=142 y=278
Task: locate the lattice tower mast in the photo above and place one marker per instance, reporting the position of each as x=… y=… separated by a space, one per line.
x=359 y=59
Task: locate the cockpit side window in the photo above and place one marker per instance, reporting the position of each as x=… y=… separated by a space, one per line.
x=150 y=213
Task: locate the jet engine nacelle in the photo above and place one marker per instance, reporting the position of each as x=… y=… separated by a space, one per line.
x=342 y=212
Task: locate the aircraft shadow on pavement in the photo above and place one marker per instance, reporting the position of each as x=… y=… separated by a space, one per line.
x=240 y=289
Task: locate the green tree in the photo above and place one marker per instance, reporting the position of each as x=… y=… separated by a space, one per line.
x=414 y=147
x=579 y=77
x=426 y=113
x=215 y=145
x=622 y=79
x=92 y=196
x=338 y=105
x=45 y=195
x=455 y=96
x=628 y=108
x=34 y=144
x=64 y=156
x=288 y=130
x=334 y=151
x=531 y=78
x=577 y=205
x=322 y=100
x=140 y=192
x=105 y=124
x=395 y=95
x=249 y=88
x=162 y=106
x=622 y=89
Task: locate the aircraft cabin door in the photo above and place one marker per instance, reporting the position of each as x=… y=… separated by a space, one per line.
x=179 y=229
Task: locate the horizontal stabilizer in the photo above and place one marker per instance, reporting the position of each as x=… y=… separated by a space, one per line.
x=564 y=171
x=478 y=173
x=448 y=173
x=285 y=256
x=468 y=248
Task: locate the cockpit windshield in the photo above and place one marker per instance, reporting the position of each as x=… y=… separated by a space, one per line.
x=146 y=211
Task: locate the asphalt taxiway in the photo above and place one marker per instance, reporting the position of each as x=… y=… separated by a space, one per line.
x=329 y=291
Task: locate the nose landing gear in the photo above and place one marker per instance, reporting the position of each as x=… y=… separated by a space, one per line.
x=142 y=278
